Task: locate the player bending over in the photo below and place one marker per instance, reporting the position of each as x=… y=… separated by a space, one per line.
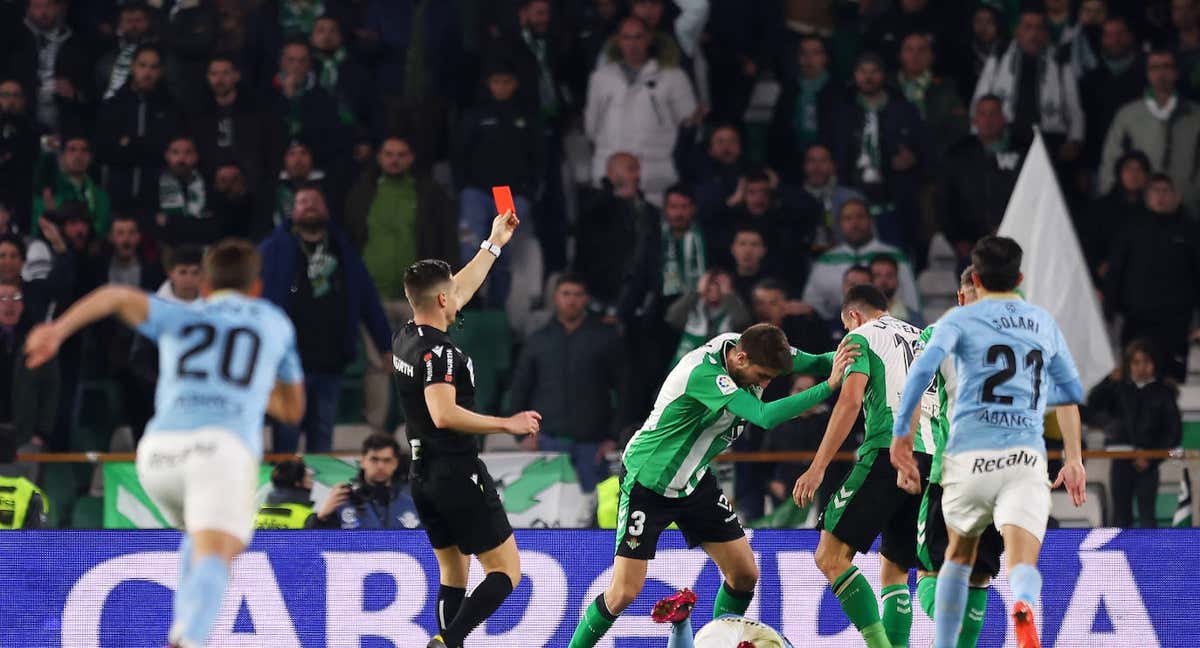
x=729 y=631
x=222 y=363
x=869 y=503
x=703 y=405
x=1010 y=358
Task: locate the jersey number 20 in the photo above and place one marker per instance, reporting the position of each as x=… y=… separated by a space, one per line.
x=208 y=335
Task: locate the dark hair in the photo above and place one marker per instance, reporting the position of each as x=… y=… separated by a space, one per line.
x=965 y=279
x=1139 y=345
x=223 y=56
x=749 y=229
x=134 y=6
x=757 y=174
x=1161 y=177
x=725 y=125
x=990 y=97
x=185 y=255
x=232 y=264
x=1131 y=156
x=856 y=201
x=296 y=40
x=1158 y=51
x=331 y=17
x=15 y=241
x=379 y=441
x=181 y=136
x=72 y=210
x=997 y=261
x=856 y=268
x=125 y=216
x=287 y=474
x=572 y=278
x=767 y=346
x=149 y=47
x=771 y=283
x=864 y=295
x=885 y=258
x=680 y=189
x=422 y=277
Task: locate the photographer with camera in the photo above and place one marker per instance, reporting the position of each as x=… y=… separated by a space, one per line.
x=377 y=498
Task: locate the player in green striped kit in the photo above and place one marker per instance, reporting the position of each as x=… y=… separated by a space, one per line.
x=931 y=525
x=703 y=405
x=869 y=503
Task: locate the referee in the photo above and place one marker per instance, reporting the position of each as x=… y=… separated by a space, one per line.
x=454 y=494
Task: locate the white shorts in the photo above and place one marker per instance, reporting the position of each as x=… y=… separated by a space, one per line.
x=201 y=480
x=998 y=487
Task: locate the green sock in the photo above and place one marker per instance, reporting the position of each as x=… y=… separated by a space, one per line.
x=977 y=599
x=595 y=622
x=926 y=587
x=859 y=603
x=897 y=614
x=731 y=601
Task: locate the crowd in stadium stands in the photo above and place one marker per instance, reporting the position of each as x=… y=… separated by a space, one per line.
x=684 y=168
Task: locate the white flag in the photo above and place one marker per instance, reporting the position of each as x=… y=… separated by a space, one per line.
x=1056 y=276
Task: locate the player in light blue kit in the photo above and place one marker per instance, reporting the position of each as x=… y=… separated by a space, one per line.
x=1011 y=358
x=223 y=362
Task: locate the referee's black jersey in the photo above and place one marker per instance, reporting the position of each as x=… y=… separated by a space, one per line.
x=423 y=356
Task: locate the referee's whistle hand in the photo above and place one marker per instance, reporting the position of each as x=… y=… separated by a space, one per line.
x=522 y=423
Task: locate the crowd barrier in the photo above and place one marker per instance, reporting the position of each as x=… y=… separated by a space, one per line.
x=1103 y=588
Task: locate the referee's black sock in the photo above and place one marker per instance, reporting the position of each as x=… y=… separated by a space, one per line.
x=478 y=607
x=449 y=600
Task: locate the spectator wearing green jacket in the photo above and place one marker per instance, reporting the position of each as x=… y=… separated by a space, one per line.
x=68 y=181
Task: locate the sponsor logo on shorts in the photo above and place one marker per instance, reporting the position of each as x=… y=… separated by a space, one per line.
x=167 y=459
x=632 y=543
x=1019 y=458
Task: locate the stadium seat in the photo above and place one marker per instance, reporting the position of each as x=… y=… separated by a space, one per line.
x=526 y=294
x=1189 y=399
x=1191 y=435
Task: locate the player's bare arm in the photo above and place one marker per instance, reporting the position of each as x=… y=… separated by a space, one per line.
x=1073 y=475
x=447 y=414
x=468 y=280
x=286 y=402
x=131 y=306
x=846 y=410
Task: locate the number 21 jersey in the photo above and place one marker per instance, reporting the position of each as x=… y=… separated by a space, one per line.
x=1008 y=355
x=218 y=360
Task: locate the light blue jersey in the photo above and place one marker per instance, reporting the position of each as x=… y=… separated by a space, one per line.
x=218 y=360
x=1011 y=359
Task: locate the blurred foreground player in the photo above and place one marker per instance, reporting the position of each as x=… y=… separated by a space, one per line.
x=1011 y=359
x=223 y=363
x=454 y=494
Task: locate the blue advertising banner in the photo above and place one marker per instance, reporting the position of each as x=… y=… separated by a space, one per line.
x=81 y=589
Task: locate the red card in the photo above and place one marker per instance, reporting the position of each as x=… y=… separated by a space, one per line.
x=504 y=200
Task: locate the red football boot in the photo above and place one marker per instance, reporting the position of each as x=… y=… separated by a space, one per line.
x=674 y=608
x=1024 y=626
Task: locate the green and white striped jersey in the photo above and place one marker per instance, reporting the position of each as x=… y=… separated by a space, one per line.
x=690 y=424
x=888 y=347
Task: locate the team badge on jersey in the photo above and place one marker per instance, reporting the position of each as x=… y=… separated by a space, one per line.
x=726 y=385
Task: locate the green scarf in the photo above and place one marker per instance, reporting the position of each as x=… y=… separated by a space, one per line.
x=328 y=79
x=176 y=200
x=805 y=118
x=870 y=158
x=321 y=265
x=547 y=99
x=914 y=89
x=298 y=16
x=683 y=260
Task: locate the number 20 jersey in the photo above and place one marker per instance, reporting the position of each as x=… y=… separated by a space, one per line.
x=218 y=360
x=1008 y=355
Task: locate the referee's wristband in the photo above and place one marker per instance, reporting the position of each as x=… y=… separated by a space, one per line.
x=494 y=249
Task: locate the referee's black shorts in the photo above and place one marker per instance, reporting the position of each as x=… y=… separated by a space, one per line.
x=458 y=504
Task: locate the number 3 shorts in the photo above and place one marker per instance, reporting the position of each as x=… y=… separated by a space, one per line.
x=999 y=487
x=703 y=516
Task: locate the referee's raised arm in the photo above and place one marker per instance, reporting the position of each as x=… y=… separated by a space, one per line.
x=468 y=280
